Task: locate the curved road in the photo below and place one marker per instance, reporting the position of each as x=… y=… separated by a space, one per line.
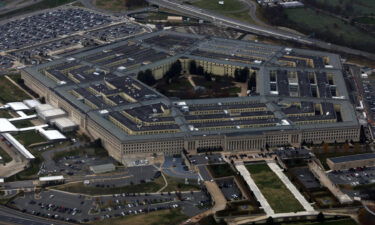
x=266 y=31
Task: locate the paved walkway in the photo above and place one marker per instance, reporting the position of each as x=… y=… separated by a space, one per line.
x=258 y=194
x=278 y=171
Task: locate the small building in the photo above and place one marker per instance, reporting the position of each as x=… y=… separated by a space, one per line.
x=43 y=107
x=18 y=106
x=31 y=103
x=51 y=180
x=174 y=18
x=54 y=113
x=64 y=124
x=351 y=161
x=52 y=135
x=104 y=168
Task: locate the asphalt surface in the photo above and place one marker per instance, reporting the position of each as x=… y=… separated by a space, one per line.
x=11 y=216
x=266 y=31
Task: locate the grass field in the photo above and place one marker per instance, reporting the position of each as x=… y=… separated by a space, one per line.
x=231 y=8
x=176 y=184
x=365 y=20
x=360 y=7
x=163 y=217
x=5 y=156
x=333 y=222
x=308 y=19
x=220 y=170
x=273 y=189
x=136 y=188
x=10 y=93
x=29 y=137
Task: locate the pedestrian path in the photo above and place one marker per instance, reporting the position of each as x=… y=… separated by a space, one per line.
x=278 y=171
x=258 y=194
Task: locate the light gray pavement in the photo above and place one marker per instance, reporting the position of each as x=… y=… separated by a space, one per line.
x=258 y=194
x=278 y=171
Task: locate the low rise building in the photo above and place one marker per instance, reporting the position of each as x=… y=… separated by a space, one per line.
x=351 y=161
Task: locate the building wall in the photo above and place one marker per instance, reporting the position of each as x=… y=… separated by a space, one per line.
x=351 y=164
x=120 y=150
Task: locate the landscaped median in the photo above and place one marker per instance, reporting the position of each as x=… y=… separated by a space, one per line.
x=277 y=194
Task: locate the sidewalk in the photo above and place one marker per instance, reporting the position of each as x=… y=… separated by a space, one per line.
x=258 y=194
x=278 y=171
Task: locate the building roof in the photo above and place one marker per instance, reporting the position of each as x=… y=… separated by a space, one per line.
x=6 y=126
x=16 y=144
x=51 y=178
x=52 y=134
x=349 y=158
x=299 y=103
x=63 y=122
x=18 y=106
x=103 y=168
x=31 y=103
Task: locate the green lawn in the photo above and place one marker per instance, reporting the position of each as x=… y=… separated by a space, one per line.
x=333 y=222
x=10 y=93
x=29 y=137
x=220 y=170
x=5 y=156
x=360 y=7
x=23 y=123
x=5 y=114
x=92 y=190
x=365 y=20
x=319 y=22
x=177 y=184
x=276 y=193
x=231 y=8
x=162 y=217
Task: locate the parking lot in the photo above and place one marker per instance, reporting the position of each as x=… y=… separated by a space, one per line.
x=41 y=53
x=115 y=32
x=205 y=159
x=5 y=62
x=175 y=167
x=78 y=208
x=48 y=25
x=229 y=188
x=353 y=177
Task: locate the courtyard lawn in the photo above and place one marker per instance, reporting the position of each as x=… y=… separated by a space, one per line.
x=29 y=137
x=276 y=193
x=10 y=93
x=162 y=217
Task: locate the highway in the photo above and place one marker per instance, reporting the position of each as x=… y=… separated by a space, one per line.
x=260 y=30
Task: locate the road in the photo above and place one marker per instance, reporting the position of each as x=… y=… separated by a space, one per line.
x=11 y=216
x=260 y=30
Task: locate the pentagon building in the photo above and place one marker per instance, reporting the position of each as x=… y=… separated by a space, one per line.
x=301 y=97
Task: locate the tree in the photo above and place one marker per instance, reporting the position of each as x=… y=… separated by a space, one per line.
x=146 y=77
x=192 y=67
x=320 y=217
x=270 y=220
x=174 y=71
x=200 y=70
